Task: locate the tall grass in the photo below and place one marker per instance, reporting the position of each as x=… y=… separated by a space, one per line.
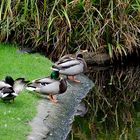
x=62 y=26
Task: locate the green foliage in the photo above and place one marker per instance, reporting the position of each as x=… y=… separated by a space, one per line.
x=62 y=26
x=15 y=116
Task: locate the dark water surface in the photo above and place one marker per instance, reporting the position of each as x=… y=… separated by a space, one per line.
x=112 y=108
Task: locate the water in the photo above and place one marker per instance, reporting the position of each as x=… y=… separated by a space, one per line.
x=113 y=106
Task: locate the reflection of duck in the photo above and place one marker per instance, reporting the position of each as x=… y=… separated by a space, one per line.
x=71 y=66
x=10 y=88
x=51 y=85
x=81 y=110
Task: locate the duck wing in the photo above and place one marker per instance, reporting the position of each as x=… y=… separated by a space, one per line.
x=3 y=84
x=43 y=80
x=66 y=64
x=64 y=59
x=39 y=83
x=57 y=87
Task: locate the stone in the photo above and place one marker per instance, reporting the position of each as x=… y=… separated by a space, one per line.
x=53 y=120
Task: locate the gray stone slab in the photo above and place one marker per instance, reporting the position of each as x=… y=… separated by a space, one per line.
x=53 y=120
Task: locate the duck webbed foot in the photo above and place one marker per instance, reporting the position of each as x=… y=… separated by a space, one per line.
x=72 y=78
x=52 y=98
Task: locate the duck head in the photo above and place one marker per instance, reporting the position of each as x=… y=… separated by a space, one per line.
x=55 y=75
x=80 y=53
x=9 y=80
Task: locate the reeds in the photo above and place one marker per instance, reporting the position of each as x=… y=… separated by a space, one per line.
x=62 y=26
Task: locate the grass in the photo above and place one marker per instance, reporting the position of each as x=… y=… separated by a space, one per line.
x=14 y=117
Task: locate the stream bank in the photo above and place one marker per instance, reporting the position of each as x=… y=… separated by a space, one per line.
x=53 y=121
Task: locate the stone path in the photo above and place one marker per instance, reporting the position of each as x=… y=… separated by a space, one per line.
x=53 y=121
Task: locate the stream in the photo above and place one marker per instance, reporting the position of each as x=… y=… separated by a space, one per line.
x=112 y=108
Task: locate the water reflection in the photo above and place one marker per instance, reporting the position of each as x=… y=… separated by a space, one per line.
x=81 y=110
x=113 y=106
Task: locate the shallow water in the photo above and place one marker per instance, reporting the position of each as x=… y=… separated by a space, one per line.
x=113 y=106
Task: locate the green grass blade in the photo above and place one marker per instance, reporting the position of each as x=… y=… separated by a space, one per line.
x=110 y=50
x=67 y=17
x=1 y=9
x=26 y=2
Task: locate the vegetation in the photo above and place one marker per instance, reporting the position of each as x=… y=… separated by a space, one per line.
x=58 y=27
x=113 y=106
x=15 y=116
x=62 y=26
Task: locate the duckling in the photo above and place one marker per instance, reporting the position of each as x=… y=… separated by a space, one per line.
x=10 y=88
x=71 y=66
x=50 y=86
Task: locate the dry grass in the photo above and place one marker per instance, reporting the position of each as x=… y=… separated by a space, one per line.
x=59 y=27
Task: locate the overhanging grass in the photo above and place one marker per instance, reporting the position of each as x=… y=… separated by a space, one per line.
x=14 y=117
x=62 y=26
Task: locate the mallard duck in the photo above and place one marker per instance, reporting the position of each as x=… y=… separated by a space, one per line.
x=50 y=86
x=71 y=66
x=8 y=94
x=10 y=88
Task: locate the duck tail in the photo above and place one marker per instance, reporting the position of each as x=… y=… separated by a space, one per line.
x=14 y=94
x=30 y=87
x=5 y=95
x=55 y=68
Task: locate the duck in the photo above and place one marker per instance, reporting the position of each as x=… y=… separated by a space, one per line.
x=10 y=88
x=71 y=66
x=51 y=86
